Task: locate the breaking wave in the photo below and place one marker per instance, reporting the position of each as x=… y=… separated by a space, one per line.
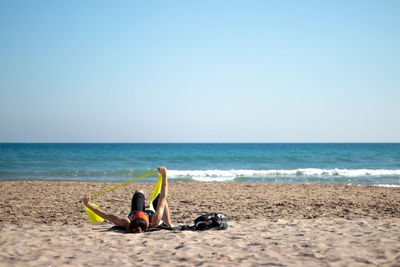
x=277 y=175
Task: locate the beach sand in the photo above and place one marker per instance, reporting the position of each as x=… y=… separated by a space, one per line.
x=44 y=224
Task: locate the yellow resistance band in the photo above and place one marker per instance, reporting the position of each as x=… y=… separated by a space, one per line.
x=156 y=191
x=115 y=187
x=94 y=218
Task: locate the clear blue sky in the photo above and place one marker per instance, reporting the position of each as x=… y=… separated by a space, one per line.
x=200 y=71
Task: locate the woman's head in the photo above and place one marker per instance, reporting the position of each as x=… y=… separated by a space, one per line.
x=139 y=223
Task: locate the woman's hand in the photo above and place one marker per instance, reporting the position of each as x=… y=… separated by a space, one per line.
x=86 y=200
x=162 y=171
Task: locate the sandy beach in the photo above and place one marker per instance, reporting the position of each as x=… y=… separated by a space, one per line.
x=44 y=224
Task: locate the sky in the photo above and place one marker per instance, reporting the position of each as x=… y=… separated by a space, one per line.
x=200 y=71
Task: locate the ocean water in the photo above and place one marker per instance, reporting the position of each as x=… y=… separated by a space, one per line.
x=357 y=164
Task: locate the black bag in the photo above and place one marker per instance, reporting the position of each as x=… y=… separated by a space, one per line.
x=211 y=221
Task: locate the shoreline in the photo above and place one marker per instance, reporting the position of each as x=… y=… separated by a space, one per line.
x=171 y=181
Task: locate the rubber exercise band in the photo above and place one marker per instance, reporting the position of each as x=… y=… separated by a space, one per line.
x=94 y=218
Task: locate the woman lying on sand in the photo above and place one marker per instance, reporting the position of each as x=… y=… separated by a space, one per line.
x=139 y=219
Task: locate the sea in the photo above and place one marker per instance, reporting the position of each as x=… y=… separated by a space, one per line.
x=361 y=164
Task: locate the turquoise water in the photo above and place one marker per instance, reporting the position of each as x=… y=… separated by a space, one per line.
x=360 y=164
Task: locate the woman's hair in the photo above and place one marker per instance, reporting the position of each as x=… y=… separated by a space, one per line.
x=136 y=224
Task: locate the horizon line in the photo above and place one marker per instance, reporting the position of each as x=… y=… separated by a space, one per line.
x=327 y=142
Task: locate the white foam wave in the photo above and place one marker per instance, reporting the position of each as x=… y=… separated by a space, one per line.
x=388 y=185
x=228 y=175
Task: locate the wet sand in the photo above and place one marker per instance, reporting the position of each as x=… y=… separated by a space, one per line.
x=43 y=223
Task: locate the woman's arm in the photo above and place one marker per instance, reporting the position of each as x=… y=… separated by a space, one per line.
x=122 y=222
x=162 y=202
